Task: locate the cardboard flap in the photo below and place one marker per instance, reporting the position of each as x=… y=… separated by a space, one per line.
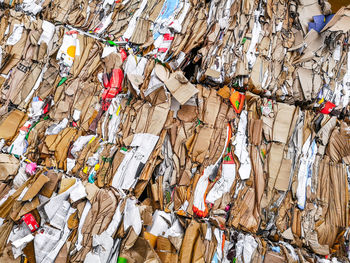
x=8 y=166
x=10 y=125
x=180 y=87
x=51 y=185
x=35 y=188
x=161 y=72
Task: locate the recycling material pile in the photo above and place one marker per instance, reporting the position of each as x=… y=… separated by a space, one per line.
x=174 y=131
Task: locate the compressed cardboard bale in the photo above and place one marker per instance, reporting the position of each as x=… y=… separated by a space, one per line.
x=261 y=88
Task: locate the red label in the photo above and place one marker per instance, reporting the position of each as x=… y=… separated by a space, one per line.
x=163 y=49
x=30 y=222
x=328 y=107
x=72 y=32
x=168 y=37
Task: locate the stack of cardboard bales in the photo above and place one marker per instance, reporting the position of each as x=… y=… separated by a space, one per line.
x=174 y=131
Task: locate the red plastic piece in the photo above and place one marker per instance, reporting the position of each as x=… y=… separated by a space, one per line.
x=116 y=79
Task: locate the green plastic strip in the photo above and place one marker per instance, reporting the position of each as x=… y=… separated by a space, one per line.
x=63 y=80
x=122 y=260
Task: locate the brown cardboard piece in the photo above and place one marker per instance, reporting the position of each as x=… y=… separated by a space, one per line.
x=140 y=252
x=190 y=245
x=28 y=207
x=283 y=122
x=307 y=10
x=7 y=255
x=340 y=21
x=282 y=180
x=212 y=73
x=10 y=124
x=180 y=87
x=51 y=185
x=5 y=230
x=152 y=239
x=165 y=250
x=161 y=72
x=273 y=257
x=8 y=166
x=274 y=163
x=187 y=113
x=66 y=183
x=35 y=188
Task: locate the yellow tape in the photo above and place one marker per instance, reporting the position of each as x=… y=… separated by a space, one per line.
x=92 y=139
x=118 y=110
